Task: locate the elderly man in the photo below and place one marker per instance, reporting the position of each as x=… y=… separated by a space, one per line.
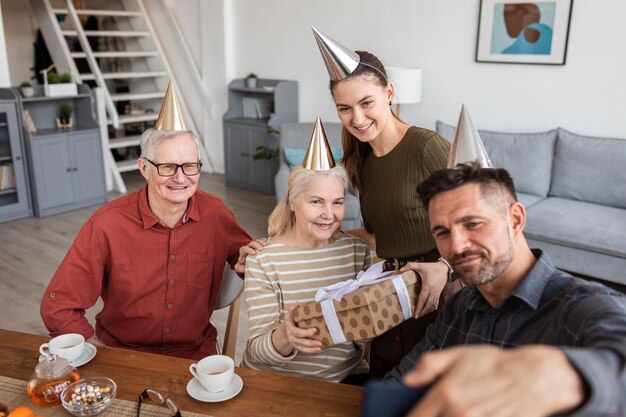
x=155 y=257
x=543 y=341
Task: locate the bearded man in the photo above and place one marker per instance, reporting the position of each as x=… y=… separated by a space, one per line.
x=542 y=342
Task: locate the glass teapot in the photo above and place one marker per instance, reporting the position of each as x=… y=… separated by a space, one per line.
x=50 y=377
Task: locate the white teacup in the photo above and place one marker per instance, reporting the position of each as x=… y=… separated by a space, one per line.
x=214 y=372
x=68 y=346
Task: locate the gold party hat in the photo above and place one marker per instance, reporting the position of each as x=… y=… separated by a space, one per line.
x=318 y=157
x=171 y=115
x=467 y=146
x=340 y=61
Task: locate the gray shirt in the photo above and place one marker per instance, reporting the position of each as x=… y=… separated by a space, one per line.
x=585 y=319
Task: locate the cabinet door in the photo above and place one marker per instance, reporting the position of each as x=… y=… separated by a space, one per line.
x=53 y=172
x=86 y=155
x=14 y=199
x=236 y=151
x=261 y=171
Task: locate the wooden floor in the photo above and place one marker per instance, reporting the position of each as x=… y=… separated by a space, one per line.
x=33 y=248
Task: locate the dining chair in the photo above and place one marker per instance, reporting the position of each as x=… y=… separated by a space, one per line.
x=229 y=296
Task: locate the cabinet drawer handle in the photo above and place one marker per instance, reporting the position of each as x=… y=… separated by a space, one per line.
x=74 y=169
x=68 y=170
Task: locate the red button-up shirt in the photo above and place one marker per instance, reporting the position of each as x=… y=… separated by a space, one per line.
x=159 y=285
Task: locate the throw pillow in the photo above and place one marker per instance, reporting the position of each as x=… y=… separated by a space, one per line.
x=590 y=169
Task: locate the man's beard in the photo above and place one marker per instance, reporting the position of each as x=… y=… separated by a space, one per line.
x=487 y=272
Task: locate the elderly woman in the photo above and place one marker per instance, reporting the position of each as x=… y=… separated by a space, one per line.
x=306 y=252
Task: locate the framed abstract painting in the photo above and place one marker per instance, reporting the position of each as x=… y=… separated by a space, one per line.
x=523 y=31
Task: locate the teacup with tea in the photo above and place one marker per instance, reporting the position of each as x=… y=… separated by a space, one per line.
x=68 y=346
x=214 y=372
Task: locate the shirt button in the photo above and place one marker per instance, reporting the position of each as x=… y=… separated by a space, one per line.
x=53 y=295
x=169 y=306
x=171 y=280
x=171 y=256
x=172 y=233
x=397 y=338
x=167 y=329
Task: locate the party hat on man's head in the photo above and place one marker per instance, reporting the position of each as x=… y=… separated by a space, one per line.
x=340 y=61
x=318 y=157
x=467 y=146
x=171 y=115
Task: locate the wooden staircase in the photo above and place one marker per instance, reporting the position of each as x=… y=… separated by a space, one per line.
x=129 y=66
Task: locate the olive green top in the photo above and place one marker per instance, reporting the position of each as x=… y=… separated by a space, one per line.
x=389 y=203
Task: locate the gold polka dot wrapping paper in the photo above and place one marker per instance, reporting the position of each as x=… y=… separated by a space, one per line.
x=365 y=313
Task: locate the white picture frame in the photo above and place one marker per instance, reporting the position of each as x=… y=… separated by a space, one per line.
x=523 y=32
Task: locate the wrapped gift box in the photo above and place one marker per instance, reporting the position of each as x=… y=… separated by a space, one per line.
x=365 y=313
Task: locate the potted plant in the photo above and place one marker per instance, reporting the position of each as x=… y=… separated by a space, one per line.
x=265 y=153
x=64 y=121
x=27 y=89
x=251 y=80
x=56 y=85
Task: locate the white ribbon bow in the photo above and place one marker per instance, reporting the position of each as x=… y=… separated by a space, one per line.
x=372 y=275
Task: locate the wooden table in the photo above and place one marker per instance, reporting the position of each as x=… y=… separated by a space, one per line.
x=263 y=394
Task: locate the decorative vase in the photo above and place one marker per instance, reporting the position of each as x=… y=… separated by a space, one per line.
x=27 y=91
x=251 y=82
x=64 y=122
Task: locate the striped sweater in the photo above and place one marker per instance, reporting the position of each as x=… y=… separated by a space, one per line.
x=281 y=275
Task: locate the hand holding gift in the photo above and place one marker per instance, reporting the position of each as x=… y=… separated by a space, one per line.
x=288 y=336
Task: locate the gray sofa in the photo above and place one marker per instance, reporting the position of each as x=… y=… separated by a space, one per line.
x=297 y=136
x=574 y=189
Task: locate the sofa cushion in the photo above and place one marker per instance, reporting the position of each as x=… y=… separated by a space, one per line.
x=528 y=200
x=527 y=156
x=590 y=169
x=578 y=224
x=295 y=156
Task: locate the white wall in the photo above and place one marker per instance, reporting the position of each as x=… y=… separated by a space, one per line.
x=587 y=95
x=20 y=29
x=4 y=57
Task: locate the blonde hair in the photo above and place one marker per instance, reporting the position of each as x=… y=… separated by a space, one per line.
x=282 y=218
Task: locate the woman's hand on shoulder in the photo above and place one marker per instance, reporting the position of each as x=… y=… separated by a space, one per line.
x=288 y=336
x=250 y=249
x=434 y=278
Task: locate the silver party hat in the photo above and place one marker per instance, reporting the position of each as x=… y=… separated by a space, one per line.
x=467 y=146
x=318 y=156
x=340 y=61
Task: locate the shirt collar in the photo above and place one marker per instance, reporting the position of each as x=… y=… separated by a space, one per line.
x=149 y=219
x=530 y=290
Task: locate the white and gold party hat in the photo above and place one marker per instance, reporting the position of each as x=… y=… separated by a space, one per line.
x=171 y=115
x=318 y=156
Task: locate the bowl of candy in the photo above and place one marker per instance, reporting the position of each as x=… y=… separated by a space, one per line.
x=88 y=396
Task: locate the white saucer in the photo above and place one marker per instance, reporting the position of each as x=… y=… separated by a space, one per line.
x=197 y=391
x=88 y=353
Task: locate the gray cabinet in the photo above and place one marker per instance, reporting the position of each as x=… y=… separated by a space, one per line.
x=252 y=114
x=241 y=141
x=14 y=192
x=66 y=165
